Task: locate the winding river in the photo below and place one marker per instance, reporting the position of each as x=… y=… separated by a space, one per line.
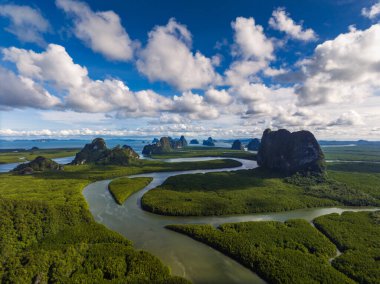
x=185 y=256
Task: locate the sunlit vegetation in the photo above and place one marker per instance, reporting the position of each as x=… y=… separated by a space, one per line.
x=24 y=156
x=122 y=188
x=48 y=234
x=290 y=252
x=353 y=153
x=189 y=152
x=357 y=235
x=257 y=190
x=238 y=192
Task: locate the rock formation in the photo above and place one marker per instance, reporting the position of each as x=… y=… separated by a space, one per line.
x=209 y=142
x=97 y=152
x=237 y=145
x=194 y=142
x=290 y=153
x=164 y=145
x=253 y=145
x=39 y=164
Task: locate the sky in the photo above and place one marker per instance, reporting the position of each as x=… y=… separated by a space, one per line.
x=199 y=68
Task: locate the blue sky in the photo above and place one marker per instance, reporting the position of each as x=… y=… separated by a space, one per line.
x=148 y=68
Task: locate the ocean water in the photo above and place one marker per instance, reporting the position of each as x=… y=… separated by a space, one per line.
x=136 y=144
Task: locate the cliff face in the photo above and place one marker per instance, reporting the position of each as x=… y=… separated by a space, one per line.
x=237 y=145
x=39 y=164
x=290 y=152
x=97 y=152
x=253 y=145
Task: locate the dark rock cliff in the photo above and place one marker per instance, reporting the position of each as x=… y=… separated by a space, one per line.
x=237 y=145
x=97 y=152
x=290 y=153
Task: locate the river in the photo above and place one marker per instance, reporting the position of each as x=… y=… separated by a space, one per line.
x=185 y=256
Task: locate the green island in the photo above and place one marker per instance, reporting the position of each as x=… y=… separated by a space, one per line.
x=258 y=190
x=49 y=235
x=199 y=151
x=20 y=156
x=290 y=252
x=357 y=235
x=122 y=188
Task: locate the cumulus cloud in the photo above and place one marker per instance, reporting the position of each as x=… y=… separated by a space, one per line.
x=252 y=50
x=101 y=31
x=56 y=68
x=19 y=91
x=54 y=65
x=218 y=97
x=250 y=40
x=350 y=118
x=194 y=105
x=372 y=12
x=26 y=23
x=346 y=68
x=281 y=21
x=167 y=57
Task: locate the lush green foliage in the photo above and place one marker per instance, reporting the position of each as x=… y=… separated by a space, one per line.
x=353 y=153
x=358 y=236
x=122 y=188
x=189 y=152
x=290 y=252
x=22 y=156
x=48 y=235
x=325 y=187
x=238 y=192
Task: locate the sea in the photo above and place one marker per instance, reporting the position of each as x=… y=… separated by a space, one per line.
x=136 y=144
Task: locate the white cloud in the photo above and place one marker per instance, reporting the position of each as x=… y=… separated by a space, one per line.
x=350 y=118
x=167 y=57
x=25 y=22
x=281 y=21
x=346 y=68
x=54 y=65
x=20 y=92
x=218 y=97
x=372 y=12
x=195 y=106
x=250 y=40
x=101 y=31
x=82 y=94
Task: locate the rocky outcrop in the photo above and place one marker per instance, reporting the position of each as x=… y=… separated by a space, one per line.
x=97 y=152
x=253 y=145
x=237 y=145
x=164 y=145
x=194 y=142
x=39 y=164
x=290 y=153
x=209 y=142
x=155 y=140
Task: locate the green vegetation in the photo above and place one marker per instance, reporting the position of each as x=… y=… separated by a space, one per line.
x=353 y=153
x=190 y=152
x=258 y=190
x=122 y=188
x=357 y=235
x=29 y=155
x=237 y=192
x=47 y=233
x=290 y=252
x=325 y=187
